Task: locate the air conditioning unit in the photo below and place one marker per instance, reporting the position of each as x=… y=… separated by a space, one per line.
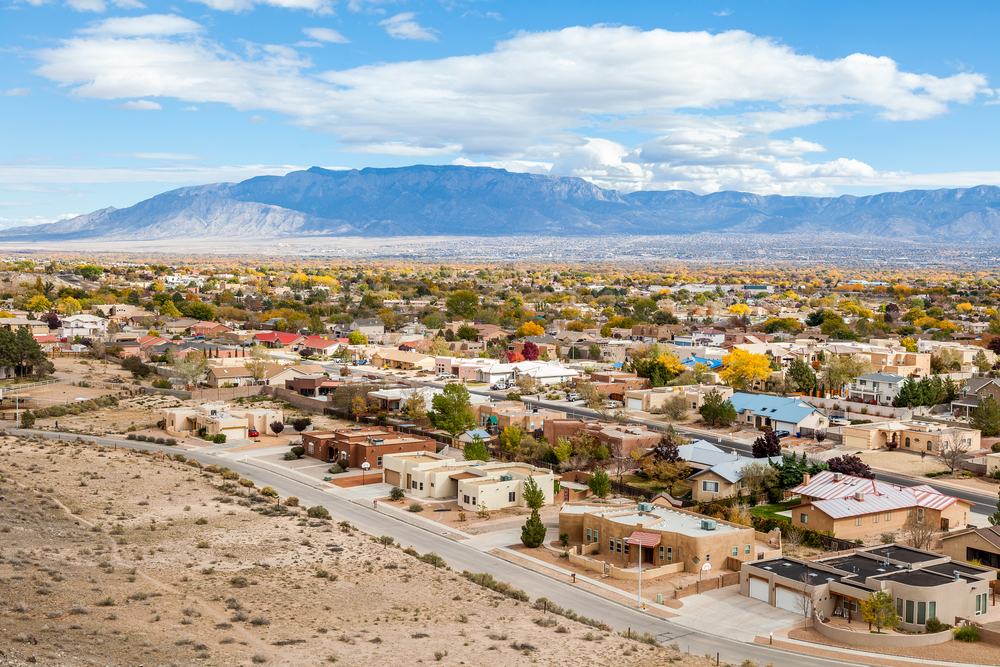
x=645 y=507
x=837 y=476
x=859 y=495
x=708 y=524
x=506 y=478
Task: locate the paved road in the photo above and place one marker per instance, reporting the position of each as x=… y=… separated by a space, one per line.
x=464 y=557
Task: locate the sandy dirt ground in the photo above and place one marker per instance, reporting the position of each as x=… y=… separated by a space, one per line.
x=904 y=462
x=114 y=557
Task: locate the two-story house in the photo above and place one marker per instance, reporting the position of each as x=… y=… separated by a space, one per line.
x=876 y=388
x=974 y=391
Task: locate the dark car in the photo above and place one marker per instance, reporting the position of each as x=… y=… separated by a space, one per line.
x=782 y=434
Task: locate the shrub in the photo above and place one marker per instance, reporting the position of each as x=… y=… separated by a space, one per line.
x=887 y=538
x=201 y=521
x=180 y=458
x=162 y=384
x=432 y=558
x=131 y=436
x=335 y=469
x=171 y=441
x=229 y=474
x=396 y=494
x=318 y=512
x=299 y=451
x=292 y=501
x=934 y=624
x=246 y=482
x=239 y=582
x=290 y=456
x=161 y=441
x=27 y=419
x=967 y=633
x=193 y=463
x=269 y=492
x=259 y=620
x=141 y=438
x=416 y=507
x=219 y=439
x=214 y=469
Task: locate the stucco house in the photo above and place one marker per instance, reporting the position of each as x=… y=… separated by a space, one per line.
x=974 y=544
x=912 y=434
x=882 y=388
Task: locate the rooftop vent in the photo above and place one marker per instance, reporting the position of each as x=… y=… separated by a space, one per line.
x=378 y=441
x=958 y=575
x=708 y=524
x=645 y=507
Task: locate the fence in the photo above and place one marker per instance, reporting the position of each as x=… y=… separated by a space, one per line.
x=836 y=544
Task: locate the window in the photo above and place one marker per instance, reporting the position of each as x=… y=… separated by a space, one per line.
x=626 y=548
x=378 y=462
x=595 y=535
x=310 y=448
x=931 y=609
x=473 y=501
x=928 y=445
x=711 y=487
x=415 y=485
x=920 y=515
x=888 y=516
x=707 y=557
x=857 y=521
x=804 y=518
x=661 y=553
x=670 y=554
x=909 y=513
x=511 y=496
x=907 y=443
x=921 y=613
x=899 y=607
x=611 y=543
x=980 y=604
x=588 y=534
x=421 y=486
x=465 y=499
x=746 y=550
x=619 y=546
x=909 y=611
x=875 y=518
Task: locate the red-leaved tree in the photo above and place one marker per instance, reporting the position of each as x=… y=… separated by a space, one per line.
x=530 y=351
x=514 y=357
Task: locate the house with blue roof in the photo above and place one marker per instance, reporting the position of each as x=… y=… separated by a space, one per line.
x=724 y=479
x=692 y=361
x=779 y=413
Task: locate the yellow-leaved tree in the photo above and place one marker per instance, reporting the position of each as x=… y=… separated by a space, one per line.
x=529 y=329
x=742 y=369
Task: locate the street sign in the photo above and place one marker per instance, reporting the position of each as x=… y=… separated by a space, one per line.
x=706 y=567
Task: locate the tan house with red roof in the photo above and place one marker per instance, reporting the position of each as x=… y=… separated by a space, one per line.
x=278 y=340
x=209 y=329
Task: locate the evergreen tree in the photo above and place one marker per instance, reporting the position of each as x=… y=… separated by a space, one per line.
x=986 y=417
x=599 y=483
x=805 y=378
x=534 y=497
x=533 y=532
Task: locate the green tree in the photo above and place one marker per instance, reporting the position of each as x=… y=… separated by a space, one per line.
x=716 y=410
x=599 y=483
x=986 y=417
x=533 y=532
x=191 y=366
x=452 y=409
x=981 y=362
x=805 y=378
x=994 y=518
x=465 y=332
x=357 y=338
x=510 y=438
x=27 y=419
x=476 y=450
x=198 y=310
x=462 y=303
x=534 y=497
x=880 y=610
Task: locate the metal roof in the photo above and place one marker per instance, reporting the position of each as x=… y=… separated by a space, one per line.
x=840 y=499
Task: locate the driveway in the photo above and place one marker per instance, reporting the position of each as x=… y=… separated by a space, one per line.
x=727 y=613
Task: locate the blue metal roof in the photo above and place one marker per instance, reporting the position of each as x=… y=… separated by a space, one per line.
x=711 y=364
x=790 y=410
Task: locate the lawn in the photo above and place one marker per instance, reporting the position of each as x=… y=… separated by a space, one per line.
x=771 y=511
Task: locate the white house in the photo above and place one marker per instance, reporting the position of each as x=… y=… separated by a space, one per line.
x=879 y=387
x=83 y=326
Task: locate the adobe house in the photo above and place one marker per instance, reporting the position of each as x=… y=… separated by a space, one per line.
x=350 y=447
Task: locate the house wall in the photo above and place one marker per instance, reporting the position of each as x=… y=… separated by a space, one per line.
x=726 y=488
x=496 y=495
x=957 y=515
x=957 y=547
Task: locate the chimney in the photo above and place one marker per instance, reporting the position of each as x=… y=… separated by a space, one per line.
x=805 y=478
x=958 y=575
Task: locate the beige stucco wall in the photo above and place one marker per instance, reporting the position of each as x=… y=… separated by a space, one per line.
x=726 y=488
x=957 y=515
x=496 y=494
x=887 y=639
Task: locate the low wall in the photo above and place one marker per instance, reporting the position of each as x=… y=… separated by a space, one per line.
x=889 y=640
x=586 y=563
x=588 y=549
x=289 y=396
x=715 y=583
x=990 y=637
x=651 y=573
x=227 y=393
x=177 y=393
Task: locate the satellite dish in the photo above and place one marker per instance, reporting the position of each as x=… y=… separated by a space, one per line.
x=365 y=465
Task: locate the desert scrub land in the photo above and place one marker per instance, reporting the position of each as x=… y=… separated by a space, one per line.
x=117 y=557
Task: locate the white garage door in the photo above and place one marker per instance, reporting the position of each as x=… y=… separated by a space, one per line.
x=758 y=589
x=635 y=404
x=787 y=600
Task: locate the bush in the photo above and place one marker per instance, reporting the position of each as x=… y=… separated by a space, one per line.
x=396 y=494
x=131 y=436
x=27 y=419
x=246 y=482
x=161 y=441
x=967 y=633
x=290 y=456
x=162 y=384
x=318 y=512
x=934 y=624
x=292 y=501
x=269 y=492
x=229 y=474
x=416 y=507
x=171 y=441
x=335 y=469
x=142 y=438
x=57 y=411
x=194 y=463
x=239 y=582
x=299 y=451
x=180 y=458
x=219 y=439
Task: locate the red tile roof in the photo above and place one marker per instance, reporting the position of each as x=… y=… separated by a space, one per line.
x=278 y=336
x=644 y=539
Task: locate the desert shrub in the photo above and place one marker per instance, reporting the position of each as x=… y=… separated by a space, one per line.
x=180 y=458
x=171 y=441
x=239 y=582
x=57 y=411
x=318 y=512
x=162 y=384
x=259 y=620
x=934 y=624
x=193 y=463
x=141 y=438
x=416 y=507
x=212 y=468
x=259 y=658
x=292 y=501
x=335 y=469
x=290 y=456
x=967 y=633
x=131 y=436
x=396 y=493
x=432 y=558
x=269 y=492
x=201 y=521
x=229 y=474
x=246 y=482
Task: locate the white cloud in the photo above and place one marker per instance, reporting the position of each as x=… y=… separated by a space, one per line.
x=7 y=223
x=315 y=6
x=723 y=12
x=139 y=105
x=190 y=109
x=257 y=120
x=326 y=35
x=158 y=156
x=402 y=26
x=87 y=5
x=706 y=104
x=17 y=92
x=151 y=25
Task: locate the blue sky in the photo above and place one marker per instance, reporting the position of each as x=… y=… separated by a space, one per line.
x=108 y=102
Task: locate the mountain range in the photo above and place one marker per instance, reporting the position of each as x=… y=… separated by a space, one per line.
x=427 y=200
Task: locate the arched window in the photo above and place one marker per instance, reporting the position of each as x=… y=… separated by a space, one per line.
x=907 y=442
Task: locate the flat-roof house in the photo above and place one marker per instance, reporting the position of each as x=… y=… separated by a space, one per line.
x=353 y=446
x=922 y=584
x=911 y=434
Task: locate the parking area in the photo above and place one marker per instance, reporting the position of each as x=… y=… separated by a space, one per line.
x=725 y=612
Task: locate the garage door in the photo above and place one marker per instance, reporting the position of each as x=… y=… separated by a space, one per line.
x=787 y=600
x=758 y=590
x=635 y=404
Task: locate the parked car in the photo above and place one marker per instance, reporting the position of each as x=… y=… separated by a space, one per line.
x=782 y=434
x=254 y=433
x=442 y=376
x=612 y=404
x=499 y=386
x=573 y=396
